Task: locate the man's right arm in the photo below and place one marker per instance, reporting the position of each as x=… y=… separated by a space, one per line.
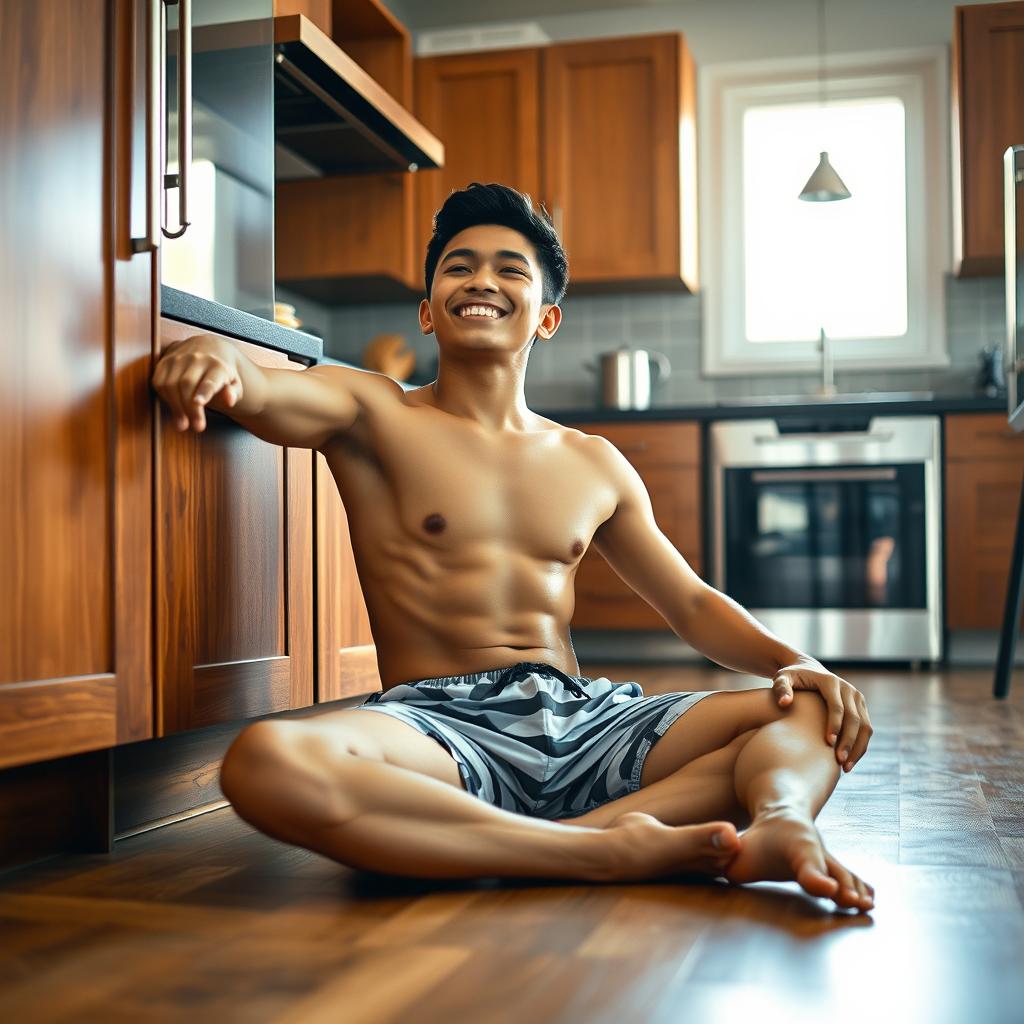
x=291 y=408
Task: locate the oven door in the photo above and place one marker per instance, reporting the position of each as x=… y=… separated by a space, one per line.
x=830 y=537
x=826 y=537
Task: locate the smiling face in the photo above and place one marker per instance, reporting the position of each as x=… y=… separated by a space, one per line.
x=487 y=292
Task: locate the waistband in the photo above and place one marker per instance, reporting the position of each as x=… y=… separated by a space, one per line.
x=512 y=673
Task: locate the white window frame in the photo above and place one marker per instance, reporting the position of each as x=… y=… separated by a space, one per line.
x=920 y=77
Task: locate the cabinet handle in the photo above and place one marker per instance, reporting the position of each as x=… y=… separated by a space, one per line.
x=150 y=241
x=557 y=218
x=634 y=446
x=180 y=180
x=1010 y=435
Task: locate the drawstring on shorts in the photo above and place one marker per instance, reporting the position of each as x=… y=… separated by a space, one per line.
x=524 y=668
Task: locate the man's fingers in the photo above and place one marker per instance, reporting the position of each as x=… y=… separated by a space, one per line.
x=212 y=382
x=851 y=728
x=186 y=388
x=783 y=690
x=860 y=746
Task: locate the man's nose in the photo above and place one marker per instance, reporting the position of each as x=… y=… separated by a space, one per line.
x=482 y=280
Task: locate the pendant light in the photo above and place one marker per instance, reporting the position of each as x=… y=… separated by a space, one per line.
x=824 y=185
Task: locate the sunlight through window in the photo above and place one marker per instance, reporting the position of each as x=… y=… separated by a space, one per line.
x=839 y=265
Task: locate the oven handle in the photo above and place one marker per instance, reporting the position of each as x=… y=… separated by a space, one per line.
x=863 y=435
x=763 y=476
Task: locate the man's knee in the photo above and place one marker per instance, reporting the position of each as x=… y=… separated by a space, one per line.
x=807 y=705
x=260 y=750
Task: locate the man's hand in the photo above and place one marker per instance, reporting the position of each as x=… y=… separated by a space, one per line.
x=847 y=709
x=194 y=373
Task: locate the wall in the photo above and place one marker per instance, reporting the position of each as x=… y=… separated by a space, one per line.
x=717 y=31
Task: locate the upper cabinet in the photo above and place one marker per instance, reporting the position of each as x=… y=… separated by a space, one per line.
x=988 y=115
x=620 y=162
x=459 y=98
x=602 y=132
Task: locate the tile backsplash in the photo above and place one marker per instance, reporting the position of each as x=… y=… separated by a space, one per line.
x=671 y=324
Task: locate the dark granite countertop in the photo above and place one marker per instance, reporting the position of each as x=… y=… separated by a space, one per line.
x=203 y=313
x=875 y=404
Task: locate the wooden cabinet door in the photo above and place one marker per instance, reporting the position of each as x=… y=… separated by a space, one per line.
x=988 y=115
x=346 y=654
x=234 y=568
x=984 y=465
x=347 y=238
x=620 y=160
x=485 y=108
x=75 y=420
x=667 y=458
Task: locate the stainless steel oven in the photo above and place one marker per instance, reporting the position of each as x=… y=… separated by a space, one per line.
x=828 y=532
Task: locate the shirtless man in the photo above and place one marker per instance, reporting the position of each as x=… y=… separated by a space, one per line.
x=486 y=753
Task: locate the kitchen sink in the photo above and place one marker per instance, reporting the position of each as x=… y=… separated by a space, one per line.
x=858 y=396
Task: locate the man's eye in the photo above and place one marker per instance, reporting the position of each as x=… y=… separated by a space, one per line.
x=458 y=266
x=517 y=270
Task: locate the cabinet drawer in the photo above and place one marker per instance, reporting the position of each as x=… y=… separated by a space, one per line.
x=646 y=444
x=982 y=436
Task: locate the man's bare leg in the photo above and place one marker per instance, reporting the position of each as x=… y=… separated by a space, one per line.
x=778 y=777
x=287 y=781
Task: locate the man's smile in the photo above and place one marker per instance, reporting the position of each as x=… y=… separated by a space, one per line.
x=476 y=309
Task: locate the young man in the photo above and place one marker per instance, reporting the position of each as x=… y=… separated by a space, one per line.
x=486 y=753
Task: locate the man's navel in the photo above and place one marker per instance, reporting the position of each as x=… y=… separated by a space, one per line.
x=434 y=523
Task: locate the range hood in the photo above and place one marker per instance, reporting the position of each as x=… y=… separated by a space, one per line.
x=331 y=117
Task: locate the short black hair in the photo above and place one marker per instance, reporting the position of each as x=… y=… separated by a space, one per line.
x=499 y=204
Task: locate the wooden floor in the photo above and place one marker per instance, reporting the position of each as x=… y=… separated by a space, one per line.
x=210 y=920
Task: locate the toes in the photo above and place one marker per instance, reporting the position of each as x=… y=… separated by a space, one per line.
x=723 y=838
x=816 y=882
x=852 y=891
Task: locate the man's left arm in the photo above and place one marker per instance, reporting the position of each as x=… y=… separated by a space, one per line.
x=712 y=622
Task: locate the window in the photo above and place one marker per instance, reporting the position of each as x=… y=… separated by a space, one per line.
x=869 y=269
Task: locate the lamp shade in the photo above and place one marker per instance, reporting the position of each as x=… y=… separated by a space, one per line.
x=824 y=185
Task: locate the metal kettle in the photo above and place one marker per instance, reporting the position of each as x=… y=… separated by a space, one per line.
x=626 y=376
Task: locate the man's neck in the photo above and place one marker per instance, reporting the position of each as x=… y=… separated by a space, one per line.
x=492 y=397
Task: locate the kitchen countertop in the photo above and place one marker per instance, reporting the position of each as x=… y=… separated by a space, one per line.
x=844 y=406
x=204 y=313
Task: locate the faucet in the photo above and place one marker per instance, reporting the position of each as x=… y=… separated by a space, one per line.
x=828 y=387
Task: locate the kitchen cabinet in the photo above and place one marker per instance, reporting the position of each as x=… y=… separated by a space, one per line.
x=606 y=140
x=602 y=132
x=345 y=651
x=233 y=572
x=620 y=162
x=984 y=464
x=667 y=456
x=486 y=109
x=75 y=423
x=987 y=90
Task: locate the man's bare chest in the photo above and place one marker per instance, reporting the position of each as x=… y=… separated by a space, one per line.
x=414 y=475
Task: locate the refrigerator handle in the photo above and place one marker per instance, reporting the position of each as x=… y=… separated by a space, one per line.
x=1013 y=179
x=180 y=180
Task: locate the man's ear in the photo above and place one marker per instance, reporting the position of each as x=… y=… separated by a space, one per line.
x=426 y=324
x=549 y=322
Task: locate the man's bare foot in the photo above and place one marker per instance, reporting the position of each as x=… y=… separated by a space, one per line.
x=783 y=845
x=647 y=848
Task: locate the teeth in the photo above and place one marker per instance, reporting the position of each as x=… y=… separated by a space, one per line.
x=479 y=311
